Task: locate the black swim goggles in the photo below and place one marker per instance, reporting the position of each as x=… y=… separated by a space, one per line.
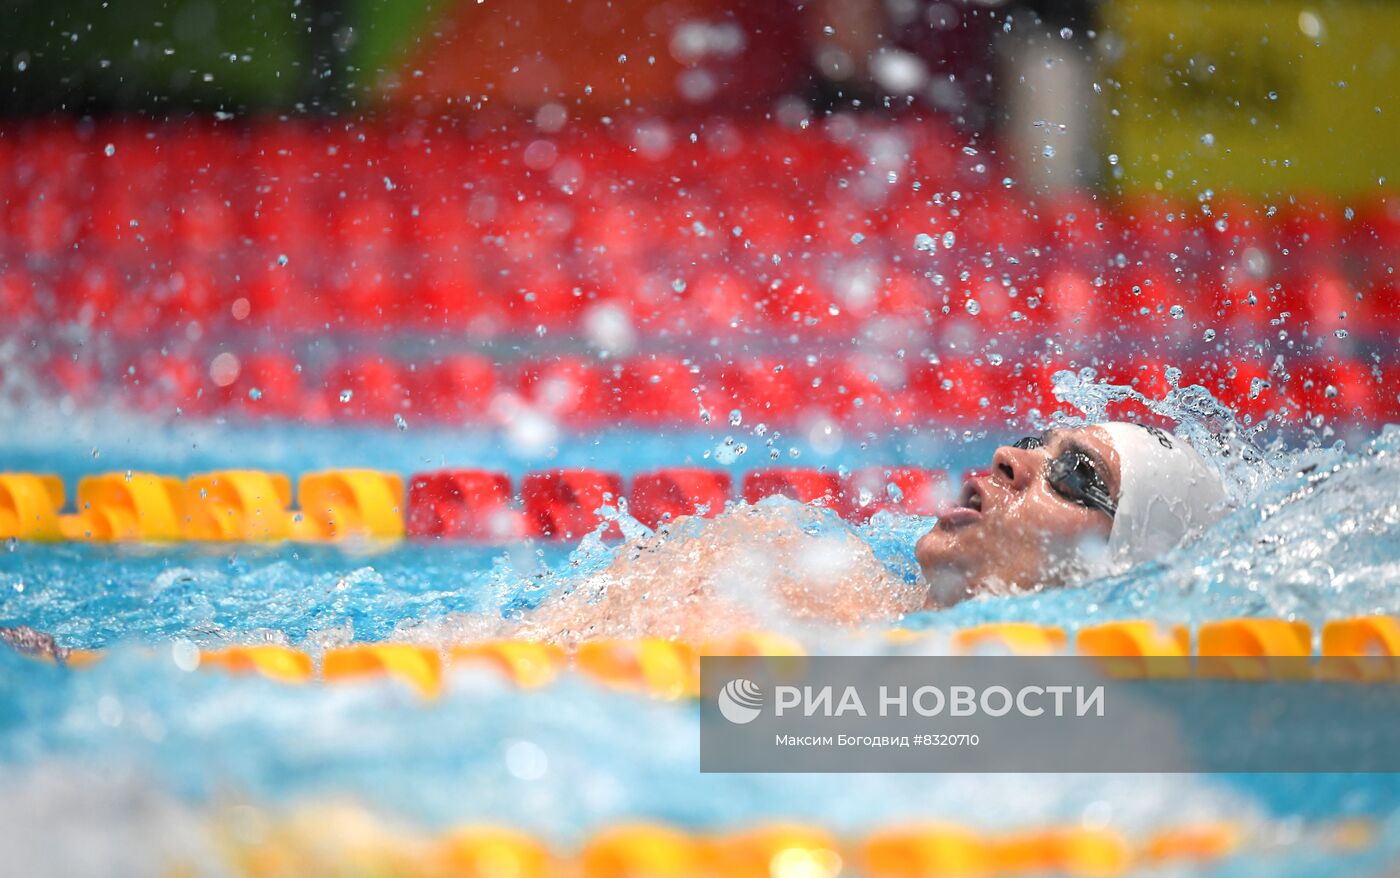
x=1074 y=476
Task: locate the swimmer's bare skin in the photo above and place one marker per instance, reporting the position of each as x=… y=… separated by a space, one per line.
x=28 y=641
x=750 y=568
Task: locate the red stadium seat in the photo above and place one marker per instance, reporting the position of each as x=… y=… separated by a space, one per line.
x=907 y=490
x=455 y=388
x=1377 y=313
x=573 y=390
x=1246 y=387
x=1322 y=299
x=659 y=390
x=1345 y=391
x=366 y=388
x=268 y=385
x=763 y=390
x=855 y=393
x=564 y=504
x=668 y=494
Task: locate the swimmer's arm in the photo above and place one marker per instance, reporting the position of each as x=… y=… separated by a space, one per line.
x=28 y=641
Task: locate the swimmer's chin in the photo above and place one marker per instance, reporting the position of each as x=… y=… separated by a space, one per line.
x=944 y=588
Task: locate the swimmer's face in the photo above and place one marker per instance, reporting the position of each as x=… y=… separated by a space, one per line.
x=1016 y=526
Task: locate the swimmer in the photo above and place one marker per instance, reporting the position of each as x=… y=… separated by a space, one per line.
x=1052 y=510
x=1060 y=506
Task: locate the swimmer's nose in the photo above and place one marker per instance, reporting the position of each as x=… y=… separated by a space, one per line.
x=1016 y=467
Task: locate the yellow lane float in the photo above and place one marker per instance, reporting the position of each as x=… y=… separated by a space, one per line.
x=29 y=506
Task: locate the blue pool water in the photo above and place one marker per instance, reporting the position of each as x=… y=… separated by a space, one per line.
x=138 y=728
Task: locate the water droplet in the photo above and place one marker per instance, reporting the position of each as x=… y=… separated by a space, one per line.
x=346 y=395
x=925 y=243
x=857 y=238
x=678 y=285
x=1048 y=151
x=1066 y=33
x=949 y=239
x=1209 y=335
x=282 y=259
x=1178 y=312
x=1208 y=139
x=1341 y=333
x=973 y=307
x=110 y=150
x=736 y=418
x=400 y=422
x=254 y=394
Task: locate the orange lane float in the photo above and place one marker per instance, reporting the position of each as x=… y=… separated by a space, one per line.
x=523 y=662
x=641 y=849
x=238 y=505
x=1070 y=851
x=1254 y=649
x=418 y=666
x=350 y=503
x=1137 y=649
x=491 y=851
x=29 y=506
x=127 y=506
x=1239 y=649
x=1015 y=638
x=662 y=668
x=281 y=663
x=342 y=840
x=1364 y=649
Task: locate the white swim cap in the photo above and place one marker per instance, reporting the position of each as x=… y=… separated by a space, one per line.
x=1166 y=492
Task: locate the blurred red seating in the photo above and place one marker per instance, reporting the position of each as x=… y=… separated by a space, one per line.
x=667 y=494
x=455 y=388
x=855 y=394
x=564 y=504
x=957 y=391
x=1320 y=299
x=1341 y=391
x=574 y=390
x=1377 y=313
x=908 y=490
x=762 y=390
x=1308 y=230
x=462 y=504
x=269 y=385
x=369 y=388
x=659 y=390
x=1246 y=387
x=803 y=485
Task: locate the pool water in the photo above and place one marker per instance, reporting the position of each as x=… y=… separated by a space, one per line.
x=139 y=747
